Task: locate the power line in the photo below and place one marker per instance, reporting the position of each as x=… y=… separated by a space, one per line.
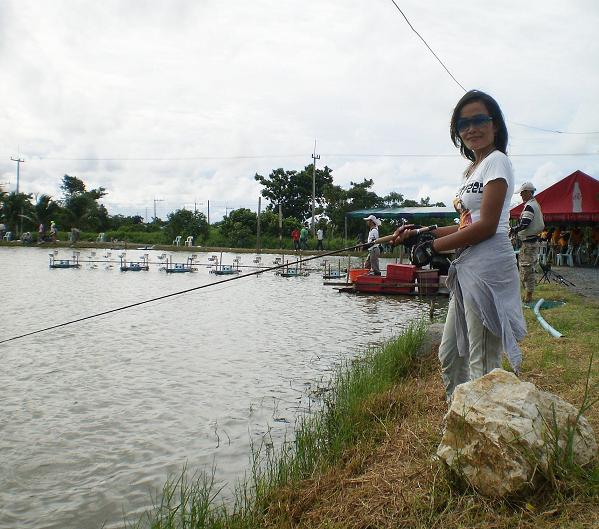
x=555 y=131
x=330 y=155
x=182 y=158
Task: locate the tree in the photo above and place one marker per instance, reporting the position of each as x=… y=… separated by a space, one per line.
x=45 y=209
x=239 y=227
x=184 y=222
x=361 y=197
x=17 y=212
x=293 y=190
x=337 y=206
x=71 y=185
x=393 y=200
x=81 y=206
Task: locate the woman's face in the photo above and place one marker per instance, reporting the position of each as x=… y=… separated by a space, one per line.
x=477 y=133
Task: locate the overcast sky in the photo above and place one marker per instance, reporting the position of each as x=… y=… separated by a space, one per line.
x=185 y=100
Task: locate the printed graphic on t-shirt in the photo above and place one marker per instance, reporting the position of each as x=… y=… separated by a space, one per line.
x=470 y=193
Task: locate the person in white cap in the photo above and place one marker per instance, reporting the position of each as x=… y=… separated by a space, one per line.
x=374 y=251
x=529 y=226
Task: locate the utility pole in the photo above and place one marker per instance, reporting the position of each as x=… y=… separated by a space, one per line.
x=208 y=213
x=19 y=162
x=156 y=200
x=314 y=158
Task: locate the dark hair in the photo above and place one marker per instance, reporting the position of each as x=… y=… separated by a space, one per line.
x=494 y=112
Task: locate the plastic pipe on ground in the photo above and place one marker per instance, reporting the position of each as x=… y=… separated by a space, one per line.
x=543 y=323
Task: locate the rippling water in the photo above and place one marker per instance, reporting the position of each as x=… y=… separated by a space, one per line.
x=95 y=415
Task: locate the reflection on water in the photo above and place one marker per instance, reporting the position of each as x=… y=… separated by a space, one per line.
x=95 y=415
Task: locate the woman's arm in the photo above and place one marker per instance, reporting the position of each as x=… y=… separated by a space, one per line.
x=407 y=231
x=442 y=231
x=490 y=211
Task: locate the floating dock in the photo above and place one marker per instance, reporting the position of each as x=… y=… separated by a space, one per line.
x=73 y=262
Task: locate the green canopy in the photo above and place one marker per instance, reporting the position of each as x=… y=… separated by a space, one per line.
x=405 y=213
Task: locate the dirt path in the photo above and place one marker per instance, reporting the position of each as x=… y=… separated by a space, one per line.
x=586 y=280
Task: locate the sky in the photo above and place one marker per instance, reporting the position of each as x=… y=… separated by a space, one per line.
x=180 y=103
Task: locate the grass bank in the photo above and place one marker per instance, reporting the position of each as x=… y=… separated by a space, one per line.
x=367 y=461
x=357 y=410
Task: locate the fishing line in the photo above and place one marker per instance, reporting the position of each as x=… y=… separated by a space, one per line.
x=426 y=44
x=166 y=296
x=555 y=131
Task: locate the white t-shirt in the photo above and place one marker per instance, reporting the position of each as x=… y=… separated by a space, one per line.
x=469 y=196
x=373 y=234
x=319 y=234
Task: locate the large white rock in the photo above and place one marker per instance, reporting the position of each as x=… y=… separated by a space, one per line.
x=500 y=431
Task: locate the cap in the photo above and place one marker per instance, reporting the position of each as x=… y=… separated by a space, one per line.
x=527 y=186
x=373 y=219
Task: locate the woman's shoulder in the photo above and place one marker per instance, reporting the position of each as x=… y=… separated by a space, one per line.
x=497 y=161
x=498 y=157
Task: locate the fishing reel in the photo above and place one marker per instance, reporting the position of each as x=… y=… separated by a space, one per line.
x=438 y=261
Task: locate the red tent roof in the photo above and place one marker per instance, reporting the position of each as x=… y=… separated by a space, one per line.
x=573 y=199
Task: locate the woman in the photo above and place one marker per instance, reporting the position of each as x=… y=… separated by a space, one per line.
x=485 y=312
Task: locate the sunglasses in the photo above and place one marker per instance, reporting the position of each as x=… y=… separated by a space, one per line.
x=477 y=122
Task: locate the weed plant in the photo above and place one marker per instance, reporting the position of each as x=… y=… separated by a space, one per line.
x=354 y=411
x=365 y=460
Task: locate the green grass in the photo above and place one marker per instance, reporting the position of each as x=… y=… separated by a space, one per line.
x=304 y=483
x=355 y=410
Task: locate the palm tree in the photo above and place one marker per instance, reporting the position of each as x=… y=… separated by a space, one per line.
x=16 y=207
x=45 y=209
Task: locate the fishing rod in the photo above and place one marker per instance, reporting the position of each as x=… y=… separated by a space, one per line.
x=362 y=246
x=166 y=296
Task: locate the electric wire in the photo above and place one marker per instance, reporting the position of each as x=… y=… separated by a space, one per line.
x=555 y=131
x=331 y=155
x=178 y=293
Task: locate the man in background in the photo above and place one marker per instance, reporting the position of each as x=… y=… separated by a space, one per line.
x=319 y=238
x=295 y=237
x=529 y=226
x=304 y=238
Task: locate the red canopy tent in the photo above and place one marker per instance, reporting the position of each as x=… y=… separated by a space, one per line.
x=573 y=199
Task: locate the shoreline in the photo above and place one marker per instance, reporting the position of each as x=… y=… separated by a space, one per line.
x=380 y=471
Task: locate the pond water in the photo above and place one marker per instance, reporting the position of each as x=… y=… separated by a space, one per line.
x=96 y=415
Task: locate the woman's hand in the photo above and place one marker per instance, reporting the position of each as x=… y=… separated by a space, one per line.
x=402 y=233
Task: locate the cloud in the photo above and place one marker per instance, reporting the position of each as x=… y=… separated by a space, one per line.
x=167 y=97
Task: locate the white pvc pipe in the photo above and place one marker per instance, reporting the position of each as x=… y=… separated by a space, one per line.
x=543 y=323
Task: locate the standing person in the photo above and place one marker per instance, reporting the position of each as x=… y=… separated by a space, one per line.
x=374 y=251
x=41 y=232
x=295 y=237
x=53 y=231
x=555 y=239
x=2 y=230
x=319 y=238
x=304 y=238
x=529 y=226
x=485 y=312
